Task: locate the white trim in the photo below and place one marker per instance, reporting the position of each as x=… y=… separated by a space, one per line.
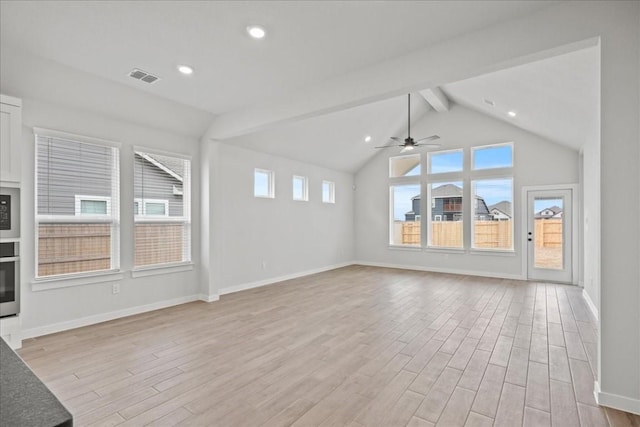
x=46 y=283
x=270 y=281
x=442 y=270
x=155 y=269
x=10 y=100
x=104 y=317
x=615 y=401
x=590 y=304
x=208 y=298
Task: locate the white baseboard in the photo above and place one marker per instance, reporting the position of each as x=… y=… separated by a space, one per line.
x=615 y=401
x=103 y=317
x=208 y=298
x=590 y=304
x=443 y=270
x=270 y=281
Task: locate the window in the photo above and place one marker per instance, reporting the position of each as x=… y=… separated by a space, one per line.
x=92 y=205
x=300 y=188
x=162 y=208
x=445 y=161
x=404 y=166
x=492 y=156
x=405 y=215
x=151 y=207
x=445 y=219
x=77 y=204
x=492 y=225
x=328 y=192
x=263 y=184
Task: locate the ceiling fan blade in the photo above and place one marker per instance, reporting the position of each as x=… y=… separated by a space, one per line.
x=429 y=138
x=397 y=138
x=428 y=145
x=389 y=146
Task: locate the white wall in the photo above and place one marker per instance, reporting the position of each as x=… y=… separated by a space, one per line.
x=537 y=162
x=290 y=237
x=46 y=311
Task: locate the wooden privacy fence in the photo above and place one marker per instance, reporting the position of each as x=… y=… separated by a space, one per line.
x=488 y=234
x=74 y=248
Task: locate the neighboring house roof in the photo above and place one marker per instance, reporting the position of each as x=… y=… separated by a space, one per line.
x=503 y=206
x=446 y=190
x=173 y=167
x=555 y=209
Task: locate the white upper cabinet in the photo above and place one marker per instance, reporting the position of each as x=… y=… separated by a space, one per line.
x=10 y=139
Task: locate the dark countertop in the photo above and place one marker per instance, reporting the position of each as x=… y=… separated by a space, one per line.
x=24 y=399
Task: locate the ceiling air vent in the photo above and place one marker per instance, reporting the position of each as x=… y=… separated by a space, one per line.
x=143 y=75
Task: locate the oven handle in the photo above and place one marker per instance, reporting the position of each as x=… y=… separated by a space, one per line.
x=10 y=259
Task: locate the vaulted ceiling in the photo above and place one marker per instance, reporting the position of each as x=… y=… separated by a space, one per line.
x=86 y=49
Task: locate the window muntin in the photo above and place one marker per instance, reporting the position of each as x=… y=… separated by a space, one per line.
x=77 y=205
x=405 y=215
x=300 y=188
x=445 y=219
x=328 y=192
x=263 y=185
x=445 y=161
x=408 y=165
x=492 y=156
x=492 y=225
x=162 y=208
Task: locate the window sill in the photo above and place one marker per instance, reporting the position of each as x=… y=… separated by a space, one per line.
x=161 y=269
x=65 y=281
x=496 y=252
x=438 y=250
x=405 y=248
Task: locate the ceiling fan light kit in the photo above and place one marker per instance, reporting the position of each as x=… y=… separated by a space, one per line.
x=410 y=143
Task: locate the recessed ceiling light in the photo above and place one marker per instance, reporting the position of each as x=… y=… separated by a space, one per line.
x=185 y=69
x=256 y=31
x=367 y=138
x=512 y=113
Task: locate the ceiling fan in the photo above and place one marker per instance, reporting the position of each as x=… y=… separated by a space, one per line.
x=409 y=143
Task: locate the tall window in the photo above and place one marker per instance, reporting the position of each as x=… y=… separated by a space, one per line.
x=328 y=192
x=77 y=212
x=404 y=200
x=492 y=225
x=300 y=188
x=162 y=208
x=446 y=214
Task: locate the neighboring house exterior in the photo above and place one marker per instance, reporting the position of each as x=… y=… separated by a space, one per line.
x=548 y=213
x=75 y=195
x=501 y=211
x=447 y=205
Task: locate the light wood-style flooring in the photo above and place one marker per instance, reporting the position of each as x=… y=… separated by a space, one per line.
x=357 y=346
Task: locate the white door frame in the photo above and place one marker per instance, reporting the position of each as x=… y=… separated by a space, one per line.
x=575 y=244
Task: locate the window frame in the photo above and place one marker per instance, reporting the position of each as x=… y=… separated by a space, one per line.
x=405 y=156
x=113 y=206
x=271 y=193
x=473 y=182
x=430 y=155
x=429 y=187
x=476 y=148
x=143 y=203
x=305 y=188
x=331 y=199
x=79 y=198
x=186 y=218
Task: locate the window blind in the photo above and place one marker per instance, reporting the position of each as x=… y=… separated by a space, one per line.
x=77 y=212
x=162 y=208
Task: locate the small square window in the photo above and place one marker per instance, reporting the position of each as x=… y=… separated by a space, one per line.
x=445 y=161
x=328 y=192
x=92 y=205
x=263 y=184
x=492 y=156
x=300 y=188
x=404 y=166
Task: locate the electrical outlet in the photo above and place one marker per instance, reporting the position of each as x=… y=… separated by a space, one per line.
x=115 y=289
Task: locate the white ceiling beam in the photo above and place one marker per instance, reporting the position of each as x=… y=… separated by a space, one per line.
x=452 y=60
x=436 y=98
